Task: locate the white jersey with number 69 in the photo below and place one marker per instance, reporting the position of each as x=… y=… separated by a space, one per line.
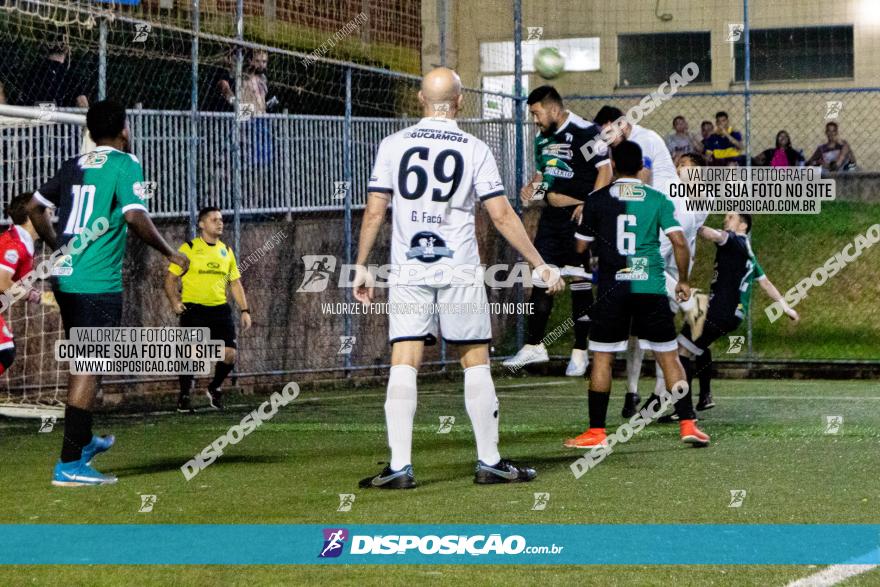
x=435 y=172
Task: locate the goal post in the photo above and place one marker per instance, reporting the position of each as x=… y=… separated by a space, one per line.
x=30 y=152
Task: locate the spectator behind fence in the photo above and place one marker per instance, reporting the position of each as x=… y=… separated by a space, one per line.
x=835 y=155
x=681 y=141
x=782 y=155
x=706 y=128
x=221 y=95
x=254 y=82
x=724 y=144
x=52 y=80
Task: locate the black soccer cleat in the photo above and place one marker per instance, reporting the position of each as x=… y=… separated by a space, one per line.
x=215 y=399
x=184 y=404
x=630 y=405
x=668 y=419
x=503 y=472
x=705 y=402
x=391 y=479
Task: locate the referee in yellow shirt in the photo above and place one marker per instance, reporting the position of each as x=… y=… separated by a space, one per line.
x=201 y=301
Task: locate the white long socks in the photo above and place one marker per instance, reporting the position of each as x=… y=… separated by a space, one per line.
x=634 y=356
x=660 y=386
x=482 y=408
x=400 y=409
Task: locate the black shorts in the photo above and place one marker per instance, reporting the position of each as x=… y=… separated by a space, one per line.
x=718 y=324
x=216 y=318
x=555 y=239
x=618 y=314
x=89 y=310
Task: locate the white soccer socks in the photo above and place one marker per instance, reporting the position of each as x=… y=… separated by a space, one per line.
x=400 y=410
x=634 y=356
x=482 y=408
x=660 y=386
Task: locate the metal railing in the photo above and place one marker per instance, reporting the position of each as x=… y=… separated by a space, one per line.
x=289 y=163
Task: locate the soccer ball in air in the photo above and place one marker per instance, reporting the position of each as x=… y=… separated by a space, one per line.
x=549 y=62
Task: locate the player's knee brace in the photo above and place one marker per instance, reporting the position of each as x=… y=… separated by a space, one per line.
x=7 y=356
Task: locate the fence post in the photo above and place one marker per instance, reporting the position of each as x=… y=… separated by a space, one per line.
x=747 y=78
x=236 y=131
x=519 y=167
x=441 y=18
x=347 y=177
x=192 y=165
x=102 y=60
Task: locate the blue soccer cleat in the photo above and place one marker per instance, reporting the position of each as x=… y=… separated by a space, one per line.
x=98 y=445
x=79 y=474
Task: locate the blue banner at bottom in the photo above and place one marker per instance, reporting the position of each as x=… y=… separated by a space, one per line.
x=139 y=544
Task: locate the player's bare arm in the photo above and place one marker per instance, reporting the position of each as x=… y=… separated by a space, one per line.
x=682 y=262
x=42 y=222
x=172 y=292
x=374 y=217
x=143 y=227
x=237 y=291
x=774 y=295
x=711 y=234
x=511 y=228
x=528 y=191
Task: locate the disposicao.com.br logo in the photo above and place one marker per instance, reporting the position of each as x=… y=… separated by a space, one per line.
x=453 y=544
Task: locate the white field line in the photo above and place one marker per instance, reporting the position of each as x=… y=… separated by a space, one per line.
x=831 y=575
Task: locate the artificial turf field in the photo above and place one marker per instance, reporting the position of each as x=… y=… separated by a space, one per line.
x=769 y=438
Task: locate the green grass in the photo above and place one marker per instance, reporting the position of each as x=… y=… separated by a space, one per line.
x=768 y=438
x=839 y=320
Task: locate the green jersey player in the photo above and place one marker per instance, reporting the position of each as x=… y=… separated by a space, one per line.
x=622 y=223
x=97 y=196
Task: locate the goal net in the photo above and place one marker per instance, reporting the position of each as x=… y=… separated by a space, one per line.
x=33 y=143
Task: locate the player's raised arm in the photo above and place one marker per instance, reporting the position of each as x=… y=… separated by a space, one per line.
x=710 y=234
x=774 y=293
x=680 y=250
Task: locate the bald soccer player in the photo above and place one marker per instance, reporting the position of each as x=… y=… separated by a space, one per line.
x=434 y=174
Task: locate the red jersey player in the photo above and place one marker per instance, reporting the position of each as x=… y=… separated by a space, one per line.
x=16 y=261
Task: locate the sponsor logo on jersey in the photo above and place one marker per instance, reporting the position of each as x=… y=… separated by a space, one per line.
x=557 y=172
x=93 y=160
x=64 y=266
x=629 y=192
x=561 y=150
x=11 y=256
x=637 y=271
x=428 y=247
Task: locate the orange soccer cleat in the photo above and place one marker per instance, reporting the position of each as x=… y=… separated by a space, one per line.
x=691 y=434
x=590 y=438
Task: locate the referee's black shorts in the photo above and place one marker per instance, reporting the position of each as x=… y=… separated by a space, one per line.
x=217 y=318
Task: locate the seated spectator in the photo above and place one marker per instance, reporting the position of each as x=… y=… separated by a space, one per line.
x=706 y=128
x=783 y=155
x=681 y=141
x=725 y=144
x=835 y=155
x=52 y=80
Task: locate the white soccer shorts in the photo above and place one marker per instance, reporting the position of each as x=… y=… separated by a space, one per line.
x=461 y=312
